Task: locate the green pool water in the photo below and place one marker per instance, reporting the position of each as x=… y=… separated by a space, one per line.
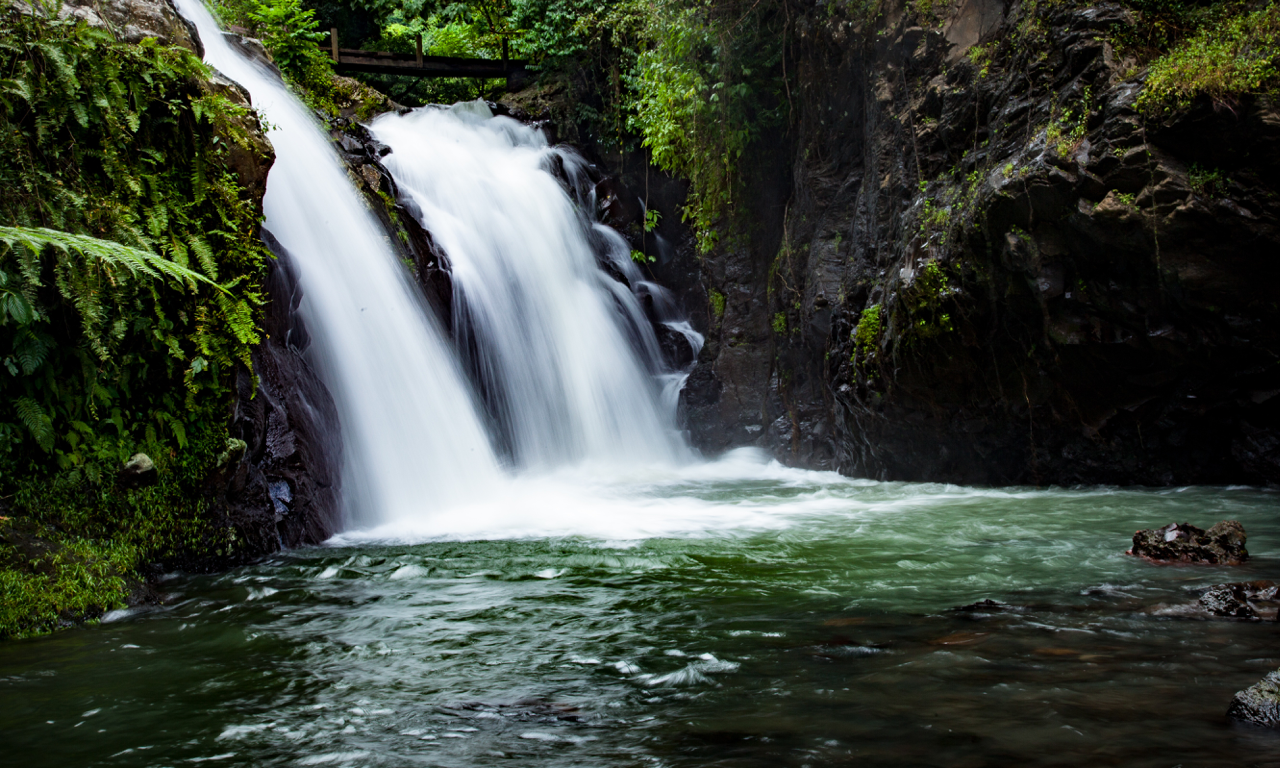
x=771 y=618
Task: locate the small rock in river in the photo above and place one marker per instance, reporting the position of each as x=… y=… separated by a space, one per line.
x=1235 y=601
x=1223 y=544
x=1258 y=704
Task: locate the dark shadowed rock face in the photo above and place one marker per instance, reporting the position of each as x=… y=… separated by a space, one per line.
x=1258 y=704
x=280 y=479
x=1223 y=544
x=1066 y=293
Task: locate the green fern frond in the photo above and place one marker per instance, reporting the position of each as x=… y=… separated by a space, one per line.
x=204 y=255
x=31 y=350
x=36 y=421
x=136 y=260
x=16 y=86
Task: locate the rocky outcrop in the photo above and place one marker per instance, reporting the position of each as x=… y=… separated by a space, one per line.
x=974 y=259
x=138 y=472
x=1223 y=544
x=1252 y=600
x=1258 y=704
x=280 y=479
x=133 y=21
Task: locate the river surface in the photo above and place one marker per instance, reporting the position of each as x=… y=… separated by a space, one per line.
x=729 y=614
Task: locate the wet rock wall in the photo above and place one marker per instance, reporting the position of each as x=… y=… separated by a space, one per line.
x=974 y=259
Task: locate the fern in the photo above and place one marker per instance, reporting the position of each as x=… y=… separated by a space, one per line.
x=36 y=420
x=106 y=252
x=120 y=208
x=30 y=350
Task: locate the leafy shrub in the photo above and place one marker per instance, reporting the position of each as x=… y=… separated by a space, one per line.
x=119 y=211
x=1205 y=181
x=706 y=83
x=717 y=303
x=1237 y=54
x=291 y=35
x=289 y=31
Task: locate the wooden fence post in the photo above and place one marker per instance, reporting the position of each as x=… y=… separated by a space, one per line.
x=419 y=51
x=333 y=43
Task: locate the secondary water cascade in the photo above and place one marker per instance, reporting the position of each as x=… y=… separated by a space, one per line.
x=566 y=350
x=565 y=355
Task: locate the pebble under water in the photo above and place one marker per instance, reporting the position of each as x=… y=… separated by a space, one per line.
x=770 y=617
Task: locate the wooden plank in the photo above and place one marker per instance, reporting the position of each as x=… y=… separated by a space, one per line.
x=417 y=65
x=486 y=70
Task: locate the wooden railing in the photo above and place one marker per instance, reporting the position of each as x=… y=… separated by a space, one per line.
x=417 y=65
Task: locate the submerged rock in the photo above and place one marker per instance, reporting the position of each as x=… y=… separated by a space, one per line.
x=138 y=472
x=983 y=606
x=1237 y=601
x=1223 y=544
x=1259 y=703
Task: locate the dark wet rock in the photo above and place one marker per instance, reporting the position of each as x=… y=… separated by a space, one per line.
x=1252 y=600
x=983 y=606
x=1223 y=544
x=138 y=472
x=1259 y=703
x=617 y=206
x=1228 y=601
x=277 y=483
x=675 y=346
x=253 y=48
x=986 y=609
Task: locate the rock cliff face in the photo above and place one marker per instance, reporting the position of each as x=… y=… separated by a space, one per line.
x=133 y=21
x=974 y=259
x=281 y=487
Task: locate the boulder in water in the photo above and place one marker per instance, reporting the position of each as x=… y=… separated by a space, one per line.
x=1223 y=544
x=138 y=472
x=1238 y=601
x=1259 y=703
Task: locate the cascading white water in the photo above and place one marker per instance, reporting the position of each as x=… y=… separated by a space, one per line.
x=413 y=442
x=565 y=352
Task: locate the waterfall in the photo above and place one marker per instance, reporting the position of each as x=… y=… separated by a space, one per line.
x=571 y=372
x=565 y=353
x=413 y=441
